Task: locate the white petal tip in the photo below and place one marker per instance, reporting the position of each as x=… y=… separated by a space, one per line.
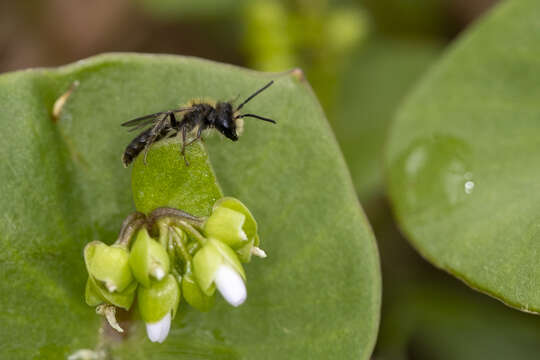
x=158 y=331
x=110 y=286
x=242 y=235
x=158 y=273
x=230 y=285
x=256 y=251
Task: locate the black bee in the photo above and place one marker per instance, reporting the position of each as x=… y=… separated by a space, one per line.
x=197 y=118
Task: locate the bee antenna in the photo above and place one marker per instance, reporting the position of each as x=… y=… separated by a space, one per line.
x=254 y=94
x=256 y=117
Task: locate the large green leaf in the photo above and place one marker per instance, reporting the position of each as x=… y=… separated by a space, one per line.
x=463 y=158
x=317 y=295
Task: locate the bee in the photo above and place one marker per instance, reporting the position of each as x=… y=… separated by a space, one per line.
x=196 y=118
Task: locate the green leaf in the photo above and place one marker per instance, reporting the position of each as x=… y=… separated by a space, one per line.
x=379 y=75
x=463 y=155
x=428 y=314
x=317 y=295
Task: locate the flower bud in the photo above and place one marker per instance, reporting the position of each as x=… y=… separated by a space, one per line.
x=251 y=248
x=108 y=265
x=148 y=259
x=216 y=264
x=220 y=224
x=226 y=225
x=96 y=294
x=193 y=294
x=157 y=305
x=91 y=295
x=231 y=222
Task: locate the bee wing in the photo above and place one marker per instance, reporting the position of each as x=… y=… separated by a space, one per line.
x=145 y=120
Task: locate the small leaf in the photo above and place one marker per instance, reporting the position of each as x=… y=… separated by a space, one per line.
x=169 y=182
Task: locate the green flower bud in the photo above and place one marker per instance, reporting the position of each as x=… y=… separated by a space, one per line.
x=251 y=248
x=92 y=296
x=227 y=226
x=148 y=259
x=194 y=295
x=158 y=300
x=221 y=224
x=96 y=294
x=208 y=260
x=108 y=265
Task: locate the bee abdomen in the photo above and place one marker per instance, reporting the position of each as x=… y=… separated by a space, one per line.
x=136 y=146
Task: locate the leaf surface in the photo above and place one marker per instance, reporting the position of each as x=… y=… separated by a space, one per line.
x=463 y=155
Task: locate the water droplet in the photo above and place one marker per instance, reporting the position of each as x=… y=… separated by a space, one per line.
x=432 y=173
x=469 y=186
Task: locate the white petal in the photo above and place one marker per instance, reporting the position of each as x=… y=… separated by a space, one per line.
x=158 y=331
x=242 y=234
x=258 y=252
x=158 y=272
x=110 y=286
x=230 y=285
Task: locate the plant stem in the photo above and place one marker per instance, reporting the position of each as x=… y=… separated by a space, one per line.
x=130 y=225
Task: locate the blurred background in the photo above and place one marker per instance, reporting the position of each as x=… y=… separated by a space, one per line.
x=361 y=57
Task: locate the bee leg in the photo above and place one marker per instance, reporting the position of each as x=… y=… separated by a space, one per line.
x=199 y=136
x=184 y=145
x=156 y=130
x=183 y=151
x=174 y=122
x=146 y=148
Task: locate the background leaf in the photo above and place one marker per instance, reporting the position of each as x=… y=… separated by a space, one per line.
x=172 y=9
x=318 y=293
x=430 y=315
x=462 y=159
x=373 y=86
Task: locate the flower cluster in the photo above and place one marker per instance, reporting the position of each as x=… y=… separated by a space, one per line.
x=169 y=255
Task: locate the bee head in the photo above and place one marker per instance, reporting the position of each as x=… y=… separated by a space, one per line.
x=225 y=122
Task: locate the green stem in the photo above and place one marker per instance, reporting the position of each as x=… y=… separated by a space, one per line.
x=179 y=245
x=130 y=225
x=166 y=212
x=188 y=229
x=181 y=249
x=177 y=275
x=163 y=227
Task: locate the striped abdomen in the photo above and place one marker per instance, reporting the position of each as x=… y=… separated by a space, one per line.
x=137 y=145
